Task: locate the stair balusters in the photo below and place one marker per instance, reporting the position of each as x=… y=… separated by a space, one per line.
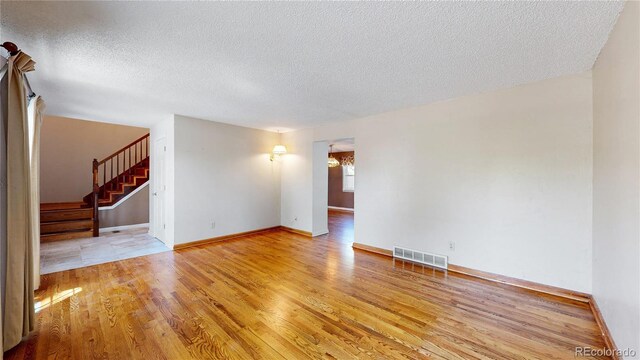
x=140 y=149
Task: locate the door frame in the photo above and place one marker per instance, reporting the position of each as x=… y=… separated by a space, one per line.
x=159 y=195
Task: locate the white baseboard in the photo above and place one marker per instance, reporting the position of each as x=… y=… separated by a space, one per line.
x=321 y=232
x=123 y=227
x=340 y=208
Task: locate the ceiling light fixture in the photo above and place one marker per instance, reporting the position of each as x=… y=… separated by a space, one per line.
x=332 y=162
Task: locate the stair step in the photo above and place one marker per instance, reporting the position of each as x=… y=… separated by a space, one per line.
x=115 y=192
x=123 y=184
x=66 y=236
x=133 y=181
x=61 y=226
x=63 y=205
x=111 y=197
x=65 y=215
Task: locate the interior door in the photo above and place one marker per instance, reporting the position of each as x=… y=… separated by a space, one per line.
x=159 y=189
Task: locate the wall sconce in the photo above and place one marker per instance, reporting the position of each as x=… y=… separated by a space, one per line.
x=277 y=151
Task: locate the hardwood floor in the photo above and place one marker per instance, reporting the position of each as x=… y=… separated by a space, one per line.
x=279 y=295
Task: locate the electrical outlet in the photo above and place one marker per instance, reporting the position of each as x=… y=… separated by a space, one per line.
x=295 y=219
x=213 y=224
x=452 y=246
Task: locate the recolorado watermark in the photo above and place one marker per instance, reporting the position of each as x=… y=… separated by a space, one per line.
x=591 y=352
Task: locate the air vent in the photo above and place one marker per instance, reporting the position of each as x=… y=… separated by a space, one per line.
x=420 y=257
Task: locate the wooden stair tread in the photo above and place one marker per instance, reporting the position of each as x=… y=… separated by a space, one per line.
x=63 y=226
x=68 y=235
x=63 y=205
x=82 y=210
x=65 y=215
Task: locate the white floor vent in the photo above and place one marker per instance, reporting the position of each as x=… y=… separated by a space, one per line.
x=420 y=257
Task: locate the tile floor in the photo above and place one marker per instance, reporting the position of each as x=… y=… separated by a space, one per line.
x=72 y=254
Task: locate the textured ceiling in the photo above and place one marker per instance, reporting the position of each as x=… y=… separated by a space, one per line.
x=292 y=64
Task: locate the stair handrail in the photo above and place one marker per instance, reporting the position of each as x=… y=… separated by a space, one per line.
x=123 y=149
x=137 y=151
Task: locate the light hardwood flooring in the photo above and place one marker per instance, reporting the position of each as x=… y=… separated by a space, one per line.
x=279 y=295
x=111 y=246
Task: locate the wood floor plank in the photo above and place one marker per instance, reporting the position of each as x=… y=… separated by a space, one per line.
x=280 y=295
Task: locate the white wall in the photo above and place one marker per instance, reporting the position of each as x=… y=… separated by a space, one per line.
x=506 y=175
x=616 y=180
x=297 y=181
x=223 y=175
x=320 y=198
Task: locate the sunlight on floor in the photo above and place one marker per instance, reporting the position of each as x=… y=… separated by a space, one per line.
x=56 y=298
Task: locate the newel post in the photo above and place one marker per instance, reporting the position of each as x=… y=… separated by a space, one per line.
x=96 y=190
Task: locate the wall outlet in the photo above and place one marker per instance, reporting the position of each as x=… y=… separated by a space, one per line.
x=295 y=219
x=452 y=246
x=213 y=224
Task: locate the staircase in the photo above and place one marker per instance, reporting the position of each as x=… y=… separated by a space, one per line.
x=119 y=187
x=63 y=221
x=114 y=178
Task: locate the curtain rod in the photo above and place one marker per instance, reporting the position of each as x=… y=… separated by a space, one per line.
x=13 y=50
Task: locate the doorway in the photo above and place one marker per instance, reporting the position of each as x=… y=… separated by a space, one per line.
x=120 y=158
x=334 y=186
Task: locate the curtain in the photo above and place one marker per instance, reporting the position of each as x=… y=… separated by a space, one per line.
x=36 y=110
x=3 y=189
x=18 y=312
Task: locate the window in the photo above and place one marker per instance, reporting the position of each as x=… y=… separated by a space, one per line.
x=348 y=178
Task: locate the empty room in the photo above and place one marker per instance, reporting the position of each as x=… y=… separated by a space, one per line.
x=306 y=180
